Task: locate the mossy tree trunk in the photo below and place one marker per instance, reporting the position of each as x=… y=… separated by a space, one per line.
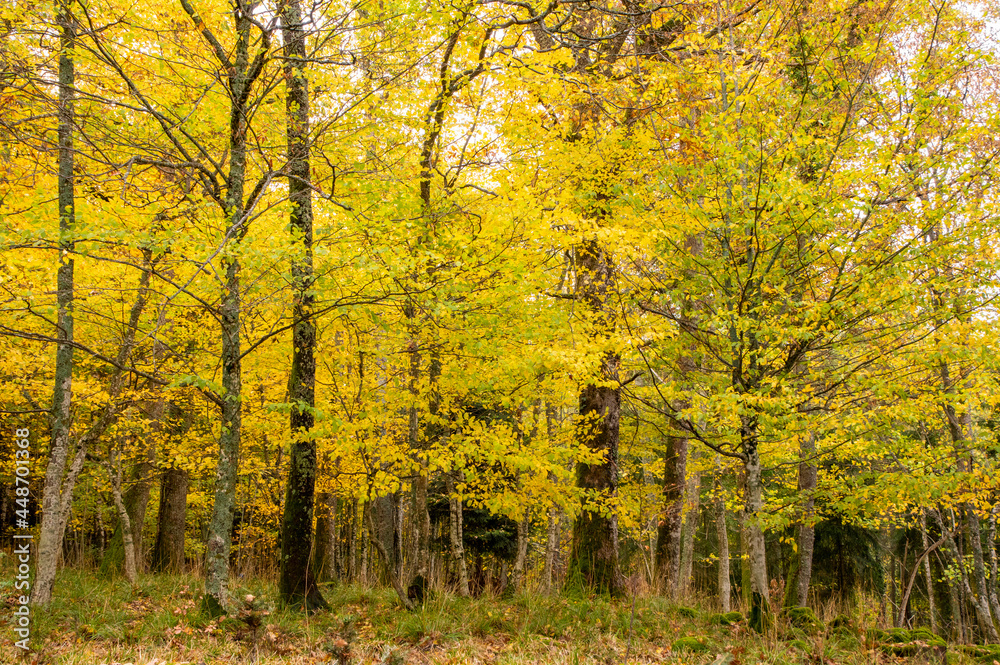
x=296 y=581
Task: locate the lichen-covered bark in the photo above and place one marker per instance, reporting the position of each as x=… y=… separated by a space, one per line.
x=56 y=486
x=296 y=583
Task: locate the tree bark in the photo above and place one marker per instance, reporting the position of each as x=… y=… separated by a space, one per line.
x=690 y=528
x=390 y=568
x=725 y=590
x=60 y=501
x=668 y=538
x=594 y=554
x=324 y=561
x=58 y=483
x=924 y=542
x=239 y=79
x=797 y=591
x=168 y=554
x=296 y=582
x=521 y=560
x=115 y=470
x=991 y=548
x=759 y=604
x=455 y=532
x=136 y=500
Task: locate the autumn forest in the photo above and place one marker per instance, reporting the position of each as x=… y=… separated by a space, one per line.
x=490 y=304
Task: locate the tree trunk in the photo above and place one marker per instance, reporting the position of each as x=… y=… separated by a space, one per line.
x=980 y=589
x=668 y=537
x=991 y=540
x=168 y=555
x=759 y=605
x=219 y=542
x=59 y=484
x=115 y=470
x=797 y=591
x=520 y=561
x=296 y=582
x=389 y=566
x=690 y=530
x=324 y=561
x=980 y=605
x=551 y=548
x=927 y=573
x=136 y=500
x=725 y=590
x=455 y=532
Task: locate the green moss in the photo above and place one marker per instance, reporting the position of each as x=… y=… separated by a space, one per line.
x=842 y=621
x=687 y=612
x=693 y=644
x=926 y=636
x=985 y=653
x=727 y=619
x=875 y=635
x=804 y=619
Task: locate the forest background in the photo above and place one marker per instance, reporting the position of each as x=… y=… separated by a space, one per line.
x=668 y=299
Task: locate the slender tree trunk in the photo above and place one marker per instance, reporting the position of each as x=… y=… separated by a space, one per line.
x=168 y=555
x=924 y=542
x=115 y=470
x=759 y=605
x=520 y=561
x=58 y=483
x=325 y=542
x=691 y=519
x=551 y=548
x=387 y=563
x=977 y=589
x=219 y=541
x=991 y=548
x=800 y=575
x=668 y=537
x=136 y=501
x=980 y=590
x=455 y=532
x=725 y=589
x=297 y=583
x=980 y=605
x=62 y=503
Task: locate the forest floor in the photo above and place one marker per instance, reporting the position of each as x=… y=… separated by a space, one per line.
x=94 y=620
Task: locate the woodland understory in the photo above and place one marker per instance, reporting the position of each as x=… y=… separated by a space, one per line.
x=501 y=331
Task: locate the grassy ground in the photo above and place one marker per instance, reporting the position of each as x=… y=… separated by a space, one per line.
x=94 y=620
